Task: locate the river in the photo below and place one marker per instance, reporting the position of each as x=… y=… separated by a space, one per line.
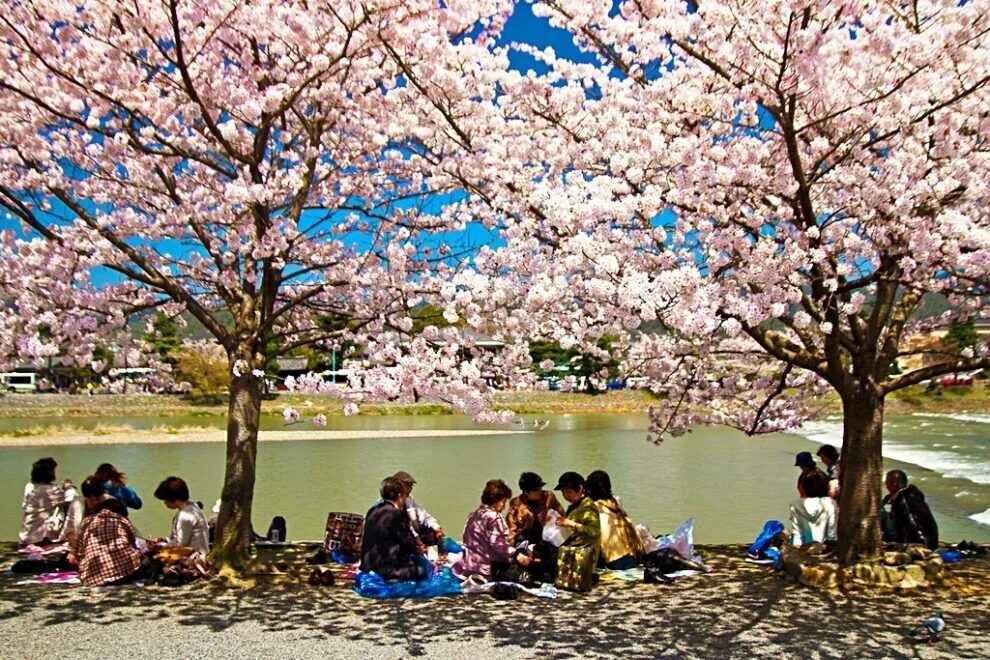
x=728 y=483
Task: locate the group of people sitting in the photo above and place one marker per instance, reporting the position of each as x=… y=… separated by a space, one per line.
x=101 y=541
x=514 y=548
x=94 y=525
x=905 y=516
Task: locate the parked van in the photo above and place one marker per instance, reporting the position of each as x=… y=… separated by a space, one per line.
x=19 y=381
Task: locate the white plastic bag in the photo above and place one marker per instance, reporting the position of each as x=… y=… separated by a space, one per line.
x=646 y=536
x=554 y=533
x=681 y=540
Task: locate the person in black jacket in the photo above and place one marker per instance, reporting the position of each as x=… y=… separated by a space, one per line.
x=388 y=546
x=908 y=518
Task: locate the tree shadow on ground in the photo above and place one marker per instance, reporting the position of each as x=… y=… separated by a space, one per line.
x=738 y=610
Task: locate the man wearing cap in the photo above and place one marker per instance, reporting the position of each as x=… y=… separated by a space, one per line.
x=528 y=512
x=812 y=515
x=527 y=515
x=388 y=546
x=425 y=526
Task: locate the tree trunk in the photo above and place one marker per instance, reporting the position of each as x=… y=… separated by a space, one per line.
x=862 y=477
x=233 y=540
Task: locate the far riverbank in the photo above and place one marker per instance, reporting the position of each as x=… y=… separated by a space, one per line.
x=154 y=437
x=65 y=407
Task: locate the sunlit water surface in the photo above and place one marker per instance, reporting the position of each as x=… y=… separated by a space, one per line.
x=728 y=483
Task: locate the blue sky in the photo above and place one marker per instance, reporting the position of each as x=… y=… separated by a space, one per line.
x=523 y=26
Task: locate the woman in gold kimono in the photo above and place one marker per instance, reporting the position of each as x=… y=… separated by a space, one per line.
x=621 y=546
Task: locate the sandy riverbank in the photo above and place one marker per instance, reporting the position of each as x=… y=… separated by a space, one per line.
x=738 y=610
x=204 y=435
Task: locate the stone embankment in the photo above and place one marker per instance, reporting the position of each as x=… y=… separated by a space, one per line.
x=900 y=567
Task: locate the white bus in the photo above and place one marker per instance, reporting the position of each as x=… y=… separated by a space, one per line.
x=19 y=381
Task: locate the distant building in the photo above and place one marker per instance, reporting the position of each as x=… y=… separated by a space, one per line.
x=292 y=366
x=924 y=347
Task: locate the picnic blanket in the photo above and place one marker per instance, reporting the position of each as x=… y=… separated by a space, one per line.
x=545 y=591
x=625 y=575
x=64 y=577
x=440 y=583
x=33 y=550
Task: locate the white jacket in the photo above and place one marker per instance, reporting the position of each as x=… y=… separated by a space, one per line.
x=43 y=509
x=420 y=517
x=812 y=520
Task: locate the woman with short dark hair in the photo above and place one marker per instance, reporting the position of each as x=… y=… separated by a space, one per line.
x=45 y=505
x=487 y=552
x=495 y=491
x=190 y=528
x=97 y=498
x=833 y=468
x=115 y=483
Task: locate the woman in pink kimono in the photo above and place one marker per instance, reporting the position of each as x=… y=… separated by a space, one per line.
x=487 y=552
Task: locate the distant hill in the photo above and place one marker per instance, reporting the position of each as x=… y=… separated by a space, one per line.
x=193 y=329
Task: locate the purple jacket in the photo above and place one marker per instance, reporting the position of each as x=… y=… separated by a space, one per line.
x=486 y=539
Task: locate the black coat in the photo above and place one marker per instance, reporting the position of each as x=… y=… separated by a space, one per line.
x=911 y=521
x=388 y=546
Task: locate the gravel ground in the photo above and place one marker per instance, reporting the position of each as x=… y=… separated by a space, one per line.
x=738 y=610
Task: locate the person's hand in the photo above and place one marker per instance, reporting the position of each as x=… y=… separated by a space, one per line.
x=439 y=536
x=564 y=522
x=523 y=560
x=71 y=559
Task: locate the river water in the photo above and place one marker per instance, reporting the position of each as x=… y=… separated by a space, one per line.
x=729 y=483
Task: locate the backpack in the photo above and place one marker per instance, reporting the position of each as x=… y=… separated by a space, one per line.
x=276 y=530
x=771 y=529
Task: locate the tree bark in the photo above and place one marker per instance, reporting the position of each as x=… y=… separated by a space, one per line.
x=232 y=545
x=862 y=476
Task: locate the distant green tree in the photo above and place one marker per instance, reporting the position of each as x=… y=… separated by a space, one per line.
x=962 y=335
x=80 y=376
x=549 y=350
x=580 y=365
x=164 y=338
x=425 y=315
x=326 y=354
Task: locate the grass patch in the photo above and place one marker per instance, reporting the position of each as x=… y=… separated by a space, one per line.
x=110 y=407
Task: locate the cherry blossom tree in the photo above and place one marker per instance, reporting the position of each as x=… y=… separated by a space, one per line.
x=257 y=165
x=776 y=187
